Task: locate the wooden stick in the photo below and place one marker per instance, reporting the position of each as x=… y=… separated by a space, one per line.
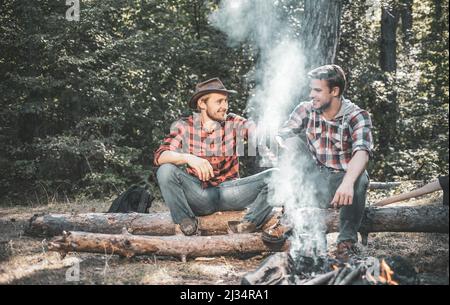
x=426 y=189
x=351 y=276
x=333 y=279
x=383 y=185
x=341 y=275
x=321 y=279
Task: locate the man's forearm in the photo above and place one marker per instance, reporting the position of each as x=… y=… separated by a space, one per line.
x=172 y=157
x=356 y=166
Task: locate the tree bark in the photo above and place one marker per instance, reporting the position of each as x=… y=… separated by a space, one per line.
x=320 y=31
x=129 y=245
x=406 y=13
x=159 y=224
x=388 y=41
x=388 y=65
x=393 y=219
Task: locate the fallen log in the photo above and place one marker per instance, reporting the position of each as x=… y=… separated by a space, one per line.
x=383 y=185
x=129 y=245
x=393 y=219
x=158 y=224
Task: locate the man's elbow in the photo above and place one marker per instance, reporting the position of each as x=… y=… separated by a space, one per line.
x=364 y=155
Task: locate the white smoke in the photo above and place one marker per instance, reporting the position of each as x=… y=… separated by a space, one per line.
x=279 y=76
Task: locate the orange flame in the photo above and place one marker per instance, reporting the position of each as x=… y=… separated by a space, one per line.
x=386 y=274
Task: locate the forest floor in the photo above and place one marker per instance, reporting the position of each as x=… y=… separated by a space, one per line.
x=24 y=259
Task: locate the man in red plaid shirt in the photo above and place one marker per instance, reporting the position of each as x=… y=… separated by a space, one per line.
x=332 y=139
x=208 y=143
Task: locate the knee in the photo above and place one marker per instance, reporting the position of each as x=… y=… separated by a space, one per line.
x=166 y=173
x=271 y=171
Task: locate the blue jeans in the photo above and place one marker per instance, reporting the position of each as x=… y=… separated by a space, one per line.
x=326 y=182
x=186 y=198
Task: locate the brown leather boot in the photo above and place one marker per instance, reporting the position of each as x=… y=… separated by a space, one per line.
x=277 y=234
x=346 y=250
x=189 y=226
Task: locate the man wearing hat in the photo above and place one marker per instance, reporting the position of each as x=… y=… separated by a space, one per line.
x=207 y=143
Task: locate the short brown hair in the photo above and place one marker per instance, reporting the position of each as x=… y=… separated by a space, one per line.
x=333 y=74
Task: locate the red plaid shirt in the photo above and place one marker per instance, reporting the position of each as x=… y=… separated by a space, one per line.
x=221 y=147
x=332 y=143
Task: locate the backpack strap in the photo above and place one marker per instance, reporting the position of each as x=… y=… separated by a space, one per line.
x=143 y=201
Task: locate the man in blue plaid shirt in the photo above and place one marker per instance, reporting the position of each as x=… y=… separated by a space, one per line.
x=334 y=135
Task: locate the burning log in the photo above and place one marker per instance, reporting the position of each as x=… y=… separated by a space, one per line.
x=275 y=270
x=393 y=219
x=368 y=271
x=322 y=279
x=351 y=276
x=129 y=245
x=342 y=274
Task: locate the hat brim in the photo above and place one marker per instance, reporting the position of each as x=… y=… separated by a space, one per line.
x=195 y=97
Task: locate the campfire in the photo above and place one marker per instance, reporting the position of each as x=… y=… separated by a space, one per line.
x=283 y=269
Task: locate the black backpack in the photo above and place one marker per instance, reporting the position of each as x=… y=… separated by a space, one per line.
x=135 y=199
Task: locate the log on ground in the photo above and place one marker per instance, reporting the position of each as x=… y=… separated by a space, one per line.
x=159 y=224
x=129 y=245
x=392 y=219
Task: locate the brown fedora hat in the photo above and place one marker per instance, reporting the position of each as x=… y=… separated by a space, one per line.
x=213 y=85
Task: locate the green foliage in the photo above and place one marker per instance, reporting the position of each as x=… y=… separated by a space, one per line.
x=420 y=150
x=84 y=104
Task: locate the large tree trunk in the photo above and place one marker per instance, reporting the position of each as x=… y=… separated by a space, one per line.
x=320 y=31
x=129 y=245
x=388 y=64
x=406 y=13
x=393 y=219
x=388 y=42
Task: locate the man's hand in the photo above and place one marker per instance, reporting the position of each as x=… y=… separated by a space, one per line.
x=343 y=196
x=201 y=166
x=281 y=143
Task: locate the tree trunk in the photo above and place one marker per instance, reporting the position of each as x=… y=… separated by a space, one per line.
x=388 y=42
x=388 y=64
x=406 y=13
x=320 y=31
x=393 y=219
x=184 y=247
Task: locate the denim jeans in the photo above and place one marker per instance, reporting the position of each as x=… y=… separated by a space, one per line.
x=326 y=182
x=186 y=198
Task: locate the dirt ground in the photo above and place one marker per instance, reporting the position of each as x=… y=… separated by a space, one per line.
x=24 y=260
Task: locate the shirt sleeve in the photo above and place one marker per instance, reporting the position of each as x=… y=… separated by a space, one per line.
x=297 y=121
x=362 y=139
x=174 y=141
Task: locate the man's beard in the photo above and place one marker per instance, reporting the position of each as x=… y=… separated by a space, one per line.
x=217 y=116
x=324 y=106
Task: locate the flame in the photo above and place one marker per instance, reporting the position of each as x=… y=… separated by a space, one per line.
x=386 y=274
